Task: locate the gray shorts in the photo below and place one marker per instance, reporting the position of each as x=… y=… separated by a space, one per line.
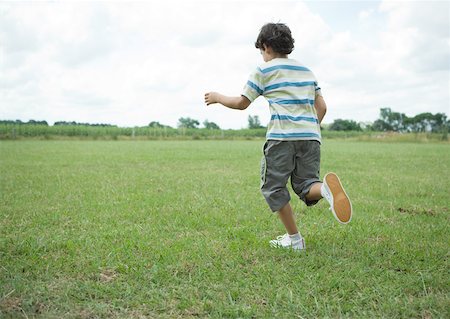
x=298 y=160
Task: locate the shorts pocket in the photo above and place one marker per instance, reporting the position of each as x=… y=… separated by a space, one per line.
x=263 y=171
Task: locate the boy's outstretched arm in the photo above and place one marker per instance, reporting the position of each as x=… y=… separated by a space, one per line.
x=321 y=107
x=232 y=102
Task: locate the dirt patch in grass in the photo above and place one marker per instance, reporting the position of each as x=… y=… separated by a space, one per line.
x=14 y=306
x=418 y=211
x=11 y=304
x=107 y=275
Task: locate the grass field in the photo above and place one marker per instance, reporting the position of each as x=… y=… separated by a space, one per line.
x=167 y=229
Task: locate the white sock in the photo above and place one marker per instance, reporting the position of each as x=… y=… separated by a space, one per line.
x=295 y=237
x=322 y=190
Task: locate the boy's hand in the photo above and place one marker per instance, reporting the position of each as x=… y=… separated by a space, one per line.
x=211 y=97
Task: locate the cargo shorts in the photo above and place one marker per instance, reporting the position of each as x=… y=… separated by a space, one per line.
x=297 y=160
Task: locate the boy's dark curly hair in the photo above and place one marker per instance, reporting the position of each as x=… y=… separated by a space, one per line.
x=277 y=36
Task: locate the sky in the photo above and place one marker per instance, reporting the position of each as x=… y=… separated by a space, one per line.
x=131 y=63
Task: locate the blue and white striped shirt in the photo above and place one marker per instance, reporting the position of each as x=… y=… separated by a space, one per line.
x=290 y=88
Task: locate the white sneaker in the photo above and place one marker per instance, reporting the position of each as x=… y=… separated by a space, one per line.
x=338 y=199
x=284 y=241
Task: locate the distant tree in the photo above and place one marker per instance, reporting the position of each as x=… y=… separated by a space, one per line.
x=155 y=125
x=381 y=126
x=19 y=122
x=390 y=121
x=210 y=125
x=187 y=122
x=83 y=124
x=33 y=122
x=441 y=119
x=11 y=122
x=97 y=124
x=394 y=119
x=65 y=123
x=253 y=122
x=399 y=122
x=422 y=122
x=427 y=122
x=345 y=125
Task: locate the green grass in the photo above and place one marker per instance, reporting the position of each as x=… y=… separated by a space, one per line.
x=167 y=229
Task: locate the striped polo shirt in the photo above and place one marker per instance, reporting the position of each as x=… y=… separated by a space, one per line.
x=290 y=88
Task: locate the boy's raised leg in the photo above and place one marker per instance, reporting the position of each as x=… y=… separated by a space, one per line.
x=333 y=191
x=315 y=192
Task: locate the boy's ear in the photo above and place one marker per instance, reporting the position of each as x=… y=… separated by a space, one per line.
x=267 y=49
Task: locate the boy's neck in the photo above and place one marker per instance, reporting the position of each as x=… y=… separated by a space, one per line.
x=270 y=55
x=279 y=56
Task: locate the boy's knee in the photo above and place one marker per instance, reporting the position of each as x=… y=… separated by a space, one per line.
x=276 y=199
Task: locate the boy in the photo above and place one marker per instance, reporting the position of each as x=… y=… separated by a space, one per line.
x=292 y=149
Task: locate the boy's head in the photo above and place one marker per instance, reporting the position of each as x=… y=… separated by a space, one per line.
x=277 y=36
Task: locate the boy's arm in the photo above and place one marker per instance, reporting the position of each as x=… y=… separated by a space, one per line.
x=232 y=102
x=321 y=107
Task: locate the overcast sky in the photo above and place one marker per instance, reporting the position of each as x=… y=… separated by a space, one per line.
x=132 y=63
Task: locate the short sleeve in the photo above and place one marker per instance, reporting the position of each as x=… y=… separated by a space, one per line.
x=254 y=86
x=317 y=89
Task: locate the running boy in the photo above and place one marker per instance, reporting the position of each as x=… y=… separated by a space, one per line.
x=292 y=149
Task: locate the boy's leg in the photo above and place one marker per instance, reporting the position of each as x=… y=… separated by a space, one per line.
x=333 y=191
x=276 y=168
x=287 y=217
x=292 y=239
x=306 y=183
x=314 y=192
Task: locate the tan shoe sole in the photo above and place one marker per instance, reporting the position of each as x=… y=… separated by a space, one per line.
x=342 y=207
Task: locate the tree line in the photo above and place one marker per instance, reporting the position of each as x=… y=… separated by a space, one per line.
x=183 y=123
x=388 y=121
x=45 y=123
x=397 y=122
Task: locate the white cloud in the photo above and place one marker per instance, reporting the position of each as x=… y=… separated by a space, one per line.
x=133 y=63
x=365 y=14
x=405 y=65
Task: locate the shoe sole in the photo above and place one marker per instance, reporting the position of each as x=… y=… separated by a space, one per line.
x=342 y=207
